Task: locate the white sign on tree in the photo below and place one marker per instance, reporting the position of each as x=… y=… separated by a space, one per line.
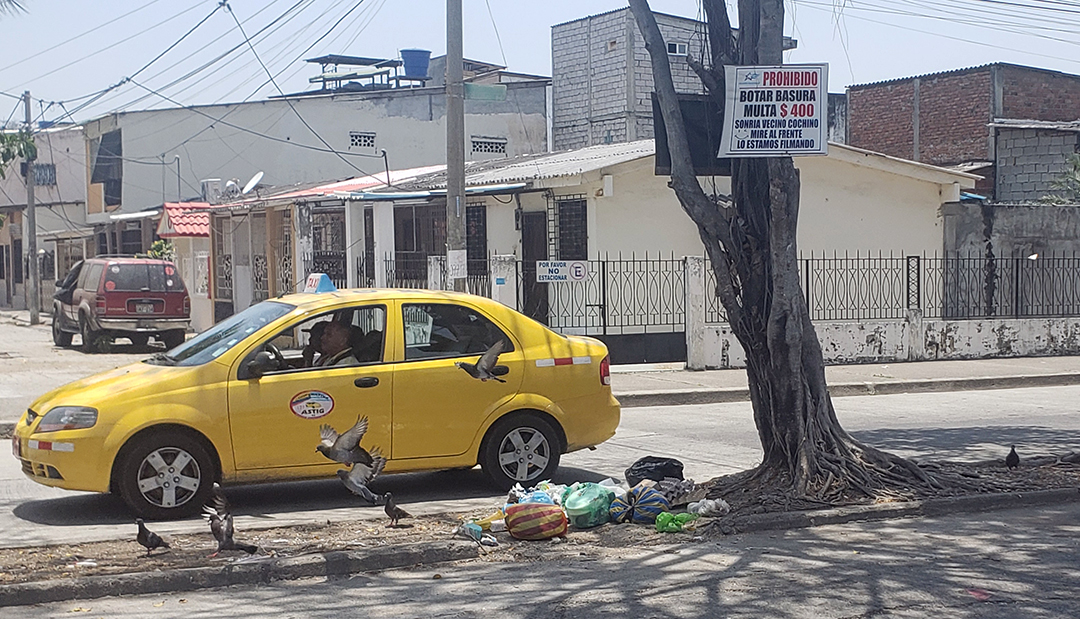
x=776 y=111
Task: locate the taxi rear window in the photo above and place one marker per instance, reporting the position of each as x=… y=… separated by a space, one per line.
x=142 y=277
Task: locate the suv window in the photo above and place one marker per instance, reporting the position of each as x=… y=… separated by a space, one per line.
x=142 y=277
x=435 y=331
x=92 y=277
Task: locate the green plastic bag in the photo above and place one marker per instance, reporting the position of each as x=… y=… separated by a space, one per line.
x=587 y=505
x=668 y=522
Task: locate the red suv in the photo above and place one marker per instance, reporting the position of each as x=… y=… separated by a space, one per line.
x=121 y=296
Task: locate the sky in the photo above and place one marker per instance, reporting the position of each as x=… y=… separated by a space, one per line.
x=66 y=52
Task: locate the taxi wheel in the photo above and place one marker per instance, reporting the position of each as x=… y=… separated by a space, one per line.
x=520 y=449
x=165 y=475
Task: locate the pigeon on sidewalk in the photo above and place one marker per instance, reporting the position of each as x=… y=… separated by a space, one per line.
x=221 y=525
x=393 y=511
x=344 y=448
x=1012 y=460
x=148 y=539
x=485 y=365
x=361 y=474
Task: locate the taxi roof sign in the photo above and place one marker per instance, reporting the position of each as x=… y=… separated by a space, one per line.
x=319 y=282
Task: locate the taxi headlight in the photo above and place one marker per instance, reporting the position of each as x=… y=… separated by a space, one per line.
x=68 y=418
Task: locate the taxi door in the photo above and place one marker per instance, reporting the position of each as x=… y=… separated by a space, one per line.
x=275 y=419
x=438 y=407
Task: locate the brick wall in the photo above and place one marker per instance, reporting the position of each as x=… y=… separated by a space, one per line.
x=1029 y=160
x=954 y=110
x=1039 y=95
x=879 y=118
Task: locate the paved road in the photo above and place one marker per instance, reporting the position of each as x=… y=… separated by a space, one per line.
x=1002 y=564
x=710 y=439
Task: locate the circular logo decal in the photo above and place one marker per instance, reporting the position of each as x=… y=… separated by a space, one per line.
x=110 y=285
x=311 y=404
x=169 y=270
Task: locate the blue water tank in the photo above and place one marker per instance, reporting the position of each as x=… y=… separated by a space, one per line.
x=416 y=62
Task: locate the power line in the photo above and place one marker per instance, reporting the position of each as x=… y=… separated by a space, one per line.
x=282 y=93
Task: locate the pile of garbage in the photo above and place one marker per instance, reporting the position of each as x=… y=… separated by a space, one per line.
x=655 y=493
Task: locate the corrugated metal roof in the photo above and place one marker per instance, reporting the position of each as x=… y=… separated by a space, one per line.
x=1015 y=123
x=527 y=168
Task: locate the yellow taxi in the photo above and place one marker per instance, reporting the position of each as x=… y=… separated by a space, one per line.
x=243 y=401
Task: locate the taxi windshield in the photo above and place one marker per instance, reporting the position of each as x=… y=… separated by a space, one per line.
x=218 y=339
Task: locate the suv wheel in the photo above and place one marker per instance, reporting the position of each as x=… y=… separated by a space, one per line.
x=520 y=449
x=173 y=338
x=59 y=336
x=92 y=340
x=165 y=475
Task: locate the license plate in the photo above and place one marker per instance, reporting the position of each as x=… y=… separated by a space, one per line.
x=144 y=308
x=15 y=447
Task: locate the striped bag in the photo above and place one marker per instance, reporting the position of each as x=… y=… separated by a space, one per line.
x=641 y=505
x=535 y=521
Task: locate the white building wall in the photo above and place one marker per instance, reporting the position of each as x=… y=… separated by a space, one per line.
x=409 y=125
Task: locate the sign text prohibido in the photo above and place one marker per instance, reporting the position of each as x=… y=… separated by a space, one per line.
x=776 y=111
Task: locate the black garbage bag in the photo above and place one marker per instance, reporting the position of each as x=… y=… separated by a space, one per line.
x=654 y=468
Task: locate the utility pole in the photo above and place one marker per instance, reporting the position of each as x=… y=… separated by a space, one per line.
x=456 y=256
x=33 y=280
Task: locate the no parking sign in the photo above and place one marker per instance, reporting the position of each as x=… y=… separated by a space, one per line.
x=561 y=270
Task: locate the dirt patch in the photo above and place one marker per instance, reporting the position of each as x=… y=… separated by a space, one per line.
x=19 y=565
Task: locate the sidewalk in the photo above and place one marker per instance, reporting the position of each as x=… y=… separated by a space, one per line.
x=676 y=387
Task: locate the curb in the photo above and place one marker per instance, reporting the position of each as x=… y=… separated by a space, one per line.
x=335 y=563
x=681 y=397
x=888 y=511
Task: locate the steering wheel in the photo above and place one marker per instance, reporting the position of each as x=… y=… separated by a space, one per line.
x=278 y=357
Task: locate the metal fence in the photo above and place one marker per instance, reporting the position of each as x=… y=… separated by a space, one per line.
x=866 y=287
x=618 y=296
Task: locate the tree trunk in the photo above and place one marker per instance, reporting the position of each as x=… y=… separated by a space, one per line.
x=749 y=237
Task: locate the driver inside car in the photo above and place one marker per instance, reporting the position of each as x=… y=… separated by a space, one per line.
x=337 y=346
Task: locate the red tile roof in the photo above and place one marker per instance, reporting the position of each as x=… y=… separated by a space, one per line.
x=185 y=219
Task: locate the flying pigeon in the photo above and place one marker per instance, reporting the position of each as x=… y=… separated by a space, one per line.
x=345 y=448
x=484 y=366
x=148 y=538
x=392 y=510
x=221 y=525
x=1012 y=460
x=357 y=479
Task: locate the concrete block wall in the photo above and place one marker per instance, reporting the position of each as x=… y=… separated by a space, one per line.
x=601 y=88
x=1030 y=160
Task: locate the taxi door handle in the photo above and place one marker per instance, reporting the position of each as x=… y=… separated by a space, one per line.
x=366 y=381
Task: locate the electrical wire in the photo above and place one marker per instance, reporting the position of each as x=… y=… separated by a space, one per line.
x=282 y=93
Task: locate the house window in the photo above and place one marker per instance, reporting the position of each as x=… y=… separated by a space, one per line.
x=476 y=244
x=44 y=173
x=676 y=49
x=108 y=167
x=573 y=230
x=483 y=144
x=361 y=139
x=612 y=45
x=16 y=261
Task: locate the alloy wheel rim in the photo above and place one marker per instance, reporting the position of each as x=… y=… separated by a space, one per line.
x=168 y=477
x=524 y=454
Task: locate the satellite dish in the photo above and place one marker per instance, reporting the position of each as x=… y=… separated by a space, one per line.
x=251 y=184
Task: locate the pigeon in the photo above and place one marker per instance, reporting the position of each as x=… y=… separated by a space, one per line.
x=149 y=539
x=221 y=525
x=345 y=448
x=1012 y=460
x=392 y=510
x=486 y=364
x=358 y=478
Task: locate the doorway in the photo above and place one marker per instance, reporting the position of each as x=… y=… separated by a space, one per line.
x=534 y=246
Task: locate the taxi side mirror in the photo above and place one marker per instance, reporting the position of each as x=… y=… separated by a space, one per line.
x=260 y=364
x=500 y=370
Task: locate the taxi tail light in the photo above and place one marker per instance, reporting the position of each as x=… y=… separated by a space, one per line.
x=605 y=371
x=99 y=305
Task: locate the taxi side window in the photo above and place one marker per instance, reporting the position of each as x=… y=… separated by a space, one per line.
x=356 y=339
x=436 y=330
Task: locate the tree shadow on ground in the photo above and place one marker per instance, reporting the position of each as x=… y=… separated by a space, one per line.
x=971 y=443
x=443 y=489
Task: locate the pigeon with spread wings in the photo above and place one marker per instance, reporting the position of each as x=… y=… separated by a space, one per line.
x=357 y=479
x=485 y=366
x=345 y=448
x=220 y=518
